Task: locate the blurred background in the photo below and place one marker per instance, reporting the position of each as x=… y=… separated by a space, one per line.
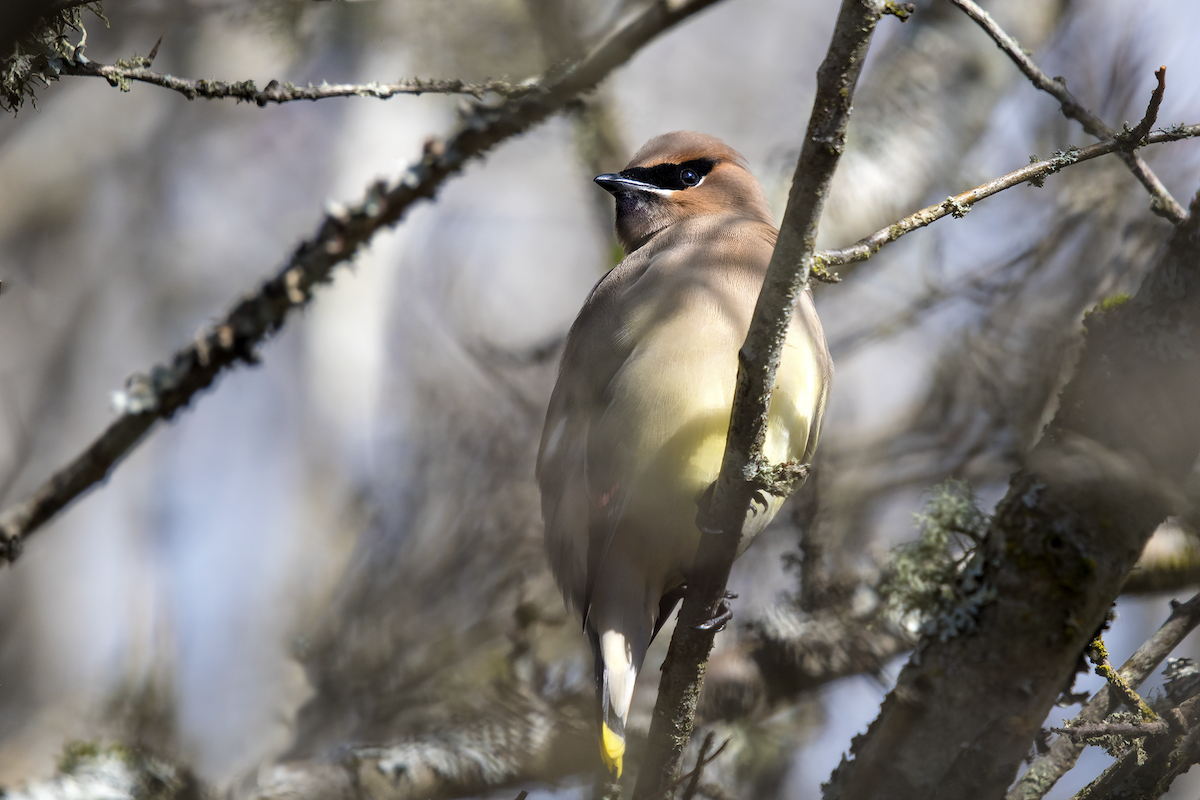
x=341 y=548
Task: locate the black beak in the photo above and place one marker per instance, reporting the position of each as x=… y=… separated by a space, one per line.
x=615 y=183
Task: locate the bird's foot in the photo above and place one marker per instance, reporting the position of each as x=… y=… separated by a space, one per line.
x=724 y=614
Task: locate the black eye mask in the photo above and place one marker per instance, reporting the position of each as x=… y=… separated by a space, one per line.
x=672 y=176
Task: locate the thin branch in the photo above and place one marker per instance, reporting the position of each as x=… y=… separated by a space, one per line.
x=693 y=777
x=123 y=74
x=341 y=234
x=1098 y=654
x=959 y=205
x=694 y=782
x=758 y=359
x=1162 y=203
x=1047 y=769
x=1133 y=730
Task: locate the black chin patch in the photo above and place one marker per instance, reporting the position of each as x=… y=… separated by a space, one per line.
x=670 y=176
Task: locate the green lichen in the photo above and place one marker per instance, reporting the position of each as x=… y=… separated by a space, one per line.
x=934 y=584
x=37 y=56
x=1037 y=181
x=1109 y=303
x=819 y=271
x=902 y=11
x=957 y=208
x=1117 y=745
x=76 y=753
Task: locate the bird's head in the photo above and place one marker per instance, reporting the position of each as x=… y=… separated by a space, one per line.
x=678 y=176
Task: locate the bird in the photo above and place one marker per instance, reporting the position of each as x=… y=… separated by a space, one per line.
x=636 y=424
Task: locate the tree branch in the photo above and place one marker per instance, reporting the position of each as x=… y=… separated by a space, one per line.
x=1107 y=471
x=1064 y=752
x=124 y=73
x=1162 y=203
x=787 y=277
x=960 y=204
x=235 y=339
x=1140 y=774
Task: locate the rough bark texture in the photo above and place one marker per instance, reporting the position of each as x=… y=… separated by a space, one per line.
x=1108 y=469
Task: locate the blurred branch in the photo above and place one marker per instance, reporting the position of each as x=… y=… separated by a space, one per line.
x=959 y=205
x=1064 y=752
x=124 y=73
x=1162 y=203
x=1108 y=469
x=797 y=652
x=48 y=387
x=725 y=513
x=598 y=140
x=343 y=231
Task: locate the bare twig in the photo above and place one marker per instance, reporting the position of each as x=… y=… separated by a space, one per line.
x=343 y=231
x=1139 y=132
x=690 y=790
x=1162 y=203
x=758 y=359
x=124 y=73
x=1047 y=769
x=693 y=776
x=960 y=204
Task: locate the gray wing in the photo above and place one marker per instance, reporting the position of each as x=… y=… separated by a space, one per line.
x=581 y=500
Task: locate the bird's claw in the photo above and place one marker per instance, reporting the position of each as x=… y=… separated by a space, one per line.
x=724 y=614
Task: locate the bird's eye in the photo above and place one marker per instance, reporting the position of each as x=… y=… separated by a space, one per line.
x=689 y=177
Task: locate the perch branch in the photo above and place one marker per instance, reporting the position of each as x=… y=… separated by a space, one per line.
x=786 y=279
x=1162 y=203
x=340 y=235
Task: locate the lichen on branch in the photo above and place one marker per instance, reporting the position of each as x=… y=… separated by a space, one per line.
x=45 y=40
x=933 y=584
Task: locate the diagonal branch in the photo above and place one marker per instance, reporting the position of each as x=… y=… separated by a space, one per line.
x=122 y=74
x=787 y=277
x=235 y=339
x=959 y=204
x=1162 y=203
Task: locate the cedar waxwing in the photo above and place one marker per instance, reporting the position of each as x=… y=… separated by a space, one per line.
x=636 y=427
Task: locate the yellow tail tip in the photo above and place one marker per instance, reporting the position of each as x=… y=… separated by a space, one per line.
x=612 y=749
